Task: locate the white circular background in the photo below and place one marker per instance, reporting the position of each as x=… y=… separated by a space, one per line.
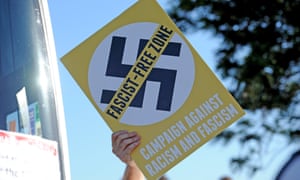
x=183 y=64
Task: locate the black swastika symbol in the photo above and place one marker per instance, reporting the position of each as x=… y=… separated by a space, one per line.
x=166 y=77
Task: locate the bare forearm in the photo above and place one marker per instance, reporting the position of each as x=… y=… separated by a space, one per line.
x=132 y=172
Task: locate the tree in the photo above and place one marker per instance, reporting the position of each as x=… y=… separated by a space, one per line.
x=260 y=58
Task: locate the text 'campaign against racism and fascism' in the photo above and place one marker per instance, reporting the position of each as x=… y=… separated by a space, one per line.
x=187 y=133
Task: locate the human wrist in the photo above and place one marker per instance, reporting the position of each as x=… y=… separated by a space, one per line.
x=131 y=164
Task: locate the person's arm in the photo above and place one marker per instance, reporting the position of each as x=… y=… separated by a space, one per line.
x=123 y=143
x=132 y=172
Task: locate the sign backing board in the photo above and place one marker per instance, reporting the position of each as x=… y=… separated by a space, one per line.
x=141 y=74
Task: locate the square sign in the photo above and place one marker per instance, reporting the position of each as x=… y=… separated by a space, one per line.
x=141 y=74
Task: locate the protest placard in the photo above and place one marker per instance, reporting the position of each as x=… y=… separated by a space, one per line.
x=141 y=74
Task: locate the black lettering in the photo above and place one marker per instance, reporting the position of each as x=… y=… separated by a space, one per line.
x=123 y=98
x=142 y=66
x=158 y=42
x=120 y=103
x=149 y=55
x=128 y=80
x=146 y=61
x=166 y=29
x=138 y=71
x=111 y=113
x=156 y=49
x=129 y=89
x=116 y=109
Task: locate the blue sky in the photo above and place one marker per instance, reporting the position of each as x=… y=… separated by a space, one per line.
x=88 y=135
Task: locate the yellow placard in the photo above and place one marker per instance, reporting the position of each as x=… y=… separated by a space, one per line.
x=141 y=74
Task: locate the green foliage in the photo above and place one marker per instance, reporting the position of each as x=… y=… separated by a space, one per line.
x=260 y=56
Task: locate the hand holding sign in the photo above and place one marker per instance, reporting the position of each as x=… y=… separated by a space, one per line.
x=123 y=143
x=142 y=75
